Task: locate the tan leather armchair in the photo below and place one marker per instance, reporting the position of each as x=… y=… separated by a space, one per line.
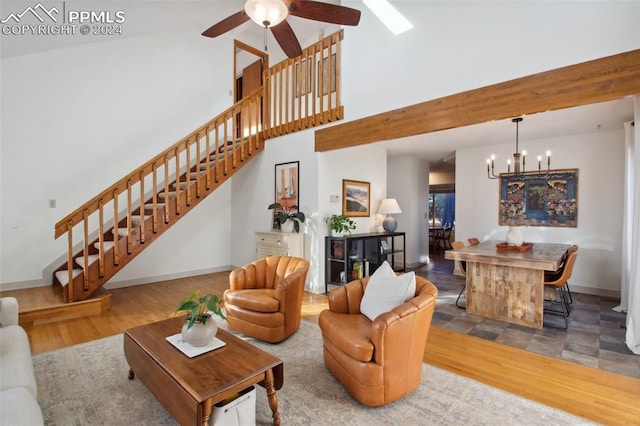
x=377 y=361
x=264 y=300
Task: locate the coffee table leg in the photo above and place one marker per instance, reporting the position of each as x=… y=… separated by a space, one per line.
x=271 y=395
x=207 y=406
x=131 y=374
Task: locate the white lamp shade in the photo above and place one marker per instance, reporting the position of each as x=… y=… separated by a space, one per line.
x=266 y=12
x=389 y=206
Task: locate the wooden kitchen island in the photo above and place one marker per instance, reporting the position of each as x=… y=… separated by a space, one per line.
x=508 y=285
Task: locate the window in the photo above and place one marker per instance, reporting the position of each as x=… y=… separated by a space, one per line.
x=442 y=209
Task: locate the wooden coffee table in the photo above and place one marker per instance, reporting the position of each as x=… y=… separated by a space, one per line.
x=188 y=387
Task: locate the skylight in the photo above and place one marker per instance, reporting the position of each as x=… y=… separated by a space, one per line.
x=389 y=16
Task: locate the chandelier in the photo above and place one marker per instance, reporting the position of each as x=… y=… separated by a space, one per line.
x=519 y=160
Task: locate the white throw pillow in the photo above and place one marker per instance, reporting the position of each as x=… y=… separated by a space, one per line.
x=386 y=290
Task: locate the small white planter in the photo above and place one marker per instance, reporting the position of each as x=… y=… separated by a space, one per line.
x=287 y=226
x=199 y=334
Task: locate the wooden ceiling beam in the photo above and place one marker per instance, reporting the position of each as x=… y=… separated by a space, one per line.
x=604 y=79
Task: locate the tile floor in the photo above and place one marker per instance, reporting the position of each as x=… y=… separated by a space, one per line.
x=595 y=336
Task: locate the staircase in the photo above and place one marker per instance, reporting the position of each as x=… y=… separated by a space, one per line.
x=111 y=229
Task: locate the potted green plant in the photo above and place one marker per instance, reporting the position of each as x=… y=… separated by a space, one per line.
x=283 y=214
x=339 y=224
x=199 y=329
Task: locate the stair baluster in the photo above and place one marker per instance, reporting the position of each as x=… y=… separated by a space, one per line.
x=101 y=236
x=129 y=218
x=85 y=250
x=154 y=202
x=141 y=208
x=116 y=234
x=70 y=261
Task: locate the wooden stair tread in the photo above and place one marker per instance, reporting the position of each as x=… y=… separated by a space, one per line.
x=108 y=245
x=63 y=276
x=91 y=258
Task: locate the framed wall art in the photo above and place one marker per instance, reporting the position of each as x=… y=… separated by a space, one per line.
x=302 y=77
x=355 y=198
x=287 y=187
x=535 y=199
x=325 y=75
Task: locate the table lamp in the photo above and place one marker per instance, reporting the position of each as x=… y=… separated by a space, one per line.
x=389 y=206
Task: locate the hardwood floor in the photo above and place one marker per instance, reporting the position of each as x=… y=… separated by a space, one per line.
x=594 y=394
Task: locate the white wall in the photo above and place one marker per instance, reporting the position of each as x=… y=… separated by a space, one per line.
x=457 y=46
x=363 y=163
x=408 y=183
x=599 y=158
x=254 y=189
x=75 y=120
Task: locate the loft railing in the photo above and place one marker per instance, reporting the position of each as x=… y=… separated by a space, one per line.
x=305 y=91
x=162 y=187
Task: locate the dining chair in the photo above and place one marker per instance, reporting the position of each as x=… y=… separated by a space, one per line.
x=473 y=241
x=556 y=287
x=462 y=265
x=443 y=238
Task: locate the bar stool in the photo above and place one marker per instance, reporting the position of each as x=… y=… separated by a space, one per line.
x=463 y=268
x=556 y=286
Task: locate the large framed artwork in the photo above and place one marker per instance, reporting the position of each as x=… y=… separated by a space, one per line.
x=355 y=198
x=535 y=199
x=287 y=187
x=325 y=75
x=302 y=77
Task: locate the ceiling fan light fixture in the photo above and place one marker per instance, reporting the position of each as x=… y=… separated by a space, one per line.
x=267 y=13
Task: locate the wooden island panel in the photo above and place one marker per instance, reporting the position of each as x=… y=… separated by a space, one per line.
x=508 y=285
x=505 y=293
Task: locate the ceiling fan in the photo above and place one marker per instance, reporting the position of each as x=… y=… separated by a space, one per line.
x=272 y=13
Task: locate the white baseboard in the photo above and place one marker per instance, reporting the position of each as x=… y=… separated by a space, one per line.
x=166 y=277
x=20 y=285
x=595 y=291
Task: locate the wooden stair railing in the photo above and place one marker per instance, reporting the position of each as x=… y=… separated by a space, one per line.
x=133 y=212
x=297 y=94
x=304 y=92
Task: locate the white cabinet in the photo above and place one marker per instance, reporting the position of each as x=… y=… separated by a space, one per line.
x=279 y=244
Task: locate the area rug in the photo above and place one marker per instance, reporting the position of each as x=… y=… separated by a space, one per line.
x=87 y=384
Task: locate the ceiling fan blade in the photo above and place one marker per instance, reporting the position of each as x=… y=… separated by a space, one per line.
x=227 y=24
x=324 y=12
x=287 y=39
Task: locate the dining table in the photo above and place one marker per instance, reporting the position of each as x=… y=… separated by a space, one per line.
x=506 y=283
